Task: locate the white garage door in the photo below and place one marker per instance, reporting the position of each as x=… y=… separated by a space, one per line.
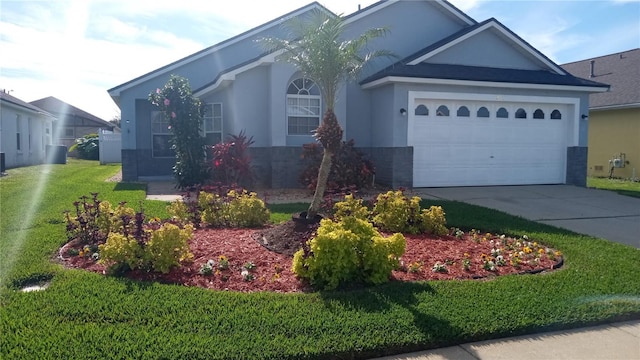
x=473 y=143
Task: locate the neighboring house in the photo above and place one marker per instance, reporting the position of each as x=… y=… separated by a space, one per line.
x=614 y=116
x=25 y=132
x=467 y=104
x=72 y=122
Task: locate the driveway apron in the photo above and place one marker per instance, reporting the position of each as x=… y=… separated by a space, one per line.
x=598 y=213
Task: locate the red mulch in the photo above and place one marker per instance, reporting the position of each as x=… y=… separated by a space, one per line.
x=270 y=249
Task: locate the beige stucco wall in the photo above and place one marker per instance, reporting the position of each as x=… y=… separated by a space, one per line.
x=612 y=132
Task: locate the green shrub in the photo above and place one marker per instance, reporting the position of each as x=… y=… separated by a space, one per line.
x=114 y=220
x=245 y=209
x=350 y=206
x=237 y=208
x=212 y=208
x=434 y=221
x=168 y=246
x=350 y=250
x=88 y=147
x=395 y=212
x=121 y=250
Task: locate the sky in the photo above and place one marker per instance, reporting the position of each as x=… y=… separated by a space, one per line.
x=77 y=50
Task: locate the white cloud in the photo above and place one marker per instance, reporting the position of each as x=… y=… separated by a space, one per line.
x=77 y=50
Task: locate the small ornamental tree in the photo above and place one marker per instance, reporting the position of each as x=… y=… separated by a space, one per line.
x=184 y=113
x=320 y=51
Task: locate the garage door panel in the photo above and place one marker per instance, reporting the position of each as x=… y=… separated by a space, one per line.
x=488 y=151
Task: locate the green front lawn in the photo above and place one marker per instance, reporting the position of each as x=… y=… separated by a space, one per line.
x=86 y=315
x=623 y=187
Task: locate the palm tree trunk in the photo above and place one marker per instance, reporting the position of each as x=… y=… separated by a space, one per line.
x=321 y=184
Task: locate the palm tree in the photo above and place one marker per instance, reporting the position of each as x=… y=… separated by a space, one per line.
x=320 y=52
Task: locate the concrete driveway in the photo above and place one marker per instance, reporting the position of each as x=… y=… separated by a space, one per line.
x=599 y=213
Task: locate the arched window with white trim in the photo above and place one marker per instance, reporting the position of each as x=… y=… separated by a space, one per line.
x=303 y=107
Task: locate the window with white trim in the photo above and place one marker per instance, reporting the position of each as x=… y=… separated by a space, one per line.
x=160 y=135
x=303 y=107
x=213 y=123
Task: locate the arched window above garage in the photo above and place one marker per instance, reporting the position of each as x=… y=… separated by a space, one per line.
x=502 y=113
x=556 y=115
x=538 y=114
x=521 y=114
x=422 y=110
x=463 y=111
x=483 y=112
x=442 y=111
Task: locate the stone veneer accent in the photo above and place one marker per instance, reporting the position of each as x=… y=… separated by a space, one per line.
x=577 y=165
x=280 y=167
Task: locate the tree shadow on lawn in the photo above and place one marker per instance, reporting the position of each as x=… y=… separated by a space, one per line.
x=382 y=299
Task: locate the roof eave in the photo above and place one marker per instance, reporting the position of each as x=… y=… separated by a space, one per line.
x=117 y=90
x=615 y=107
x=414 y=80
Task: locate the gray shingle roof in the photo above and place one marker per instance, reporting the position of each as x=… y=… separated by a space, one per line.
x=5 y=97
x=60 y=108
x=477 y=73
x=620 y=70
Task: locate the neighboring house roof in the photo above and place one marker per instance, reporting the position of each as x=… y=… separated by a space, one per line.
x=620 y=70
x=7 y=98
x=60 y=108
x=417 y=65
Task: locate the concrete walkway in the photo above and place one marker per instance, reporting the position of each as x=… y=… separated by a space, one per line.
x=614 y=341
x=599 y=213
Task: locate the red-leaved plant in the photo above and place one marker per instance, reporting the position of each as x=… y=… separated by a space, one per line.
x=231 y=161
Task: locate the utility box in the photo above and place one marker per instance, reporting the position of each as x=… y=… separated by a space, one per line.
x=56 y=154
x=3 y=165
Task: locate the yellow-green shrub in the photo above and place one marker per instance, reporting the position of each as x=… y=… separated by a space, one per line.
x=434 y=221
x=348 y=250
x=213 y=208
x=168 y=246
x=350 y=207
x=245 y=209
x=179 y=211
x=395 y=212
x=121 y=250
x=110 y=220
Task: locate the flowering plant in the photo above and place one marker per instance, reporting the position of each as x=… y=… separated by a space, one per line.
x=437 y=267
x=223 y=262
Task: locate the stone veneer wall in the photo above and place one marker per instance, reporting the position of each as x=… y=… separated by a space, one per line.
x=394 y=165
x=577 y=165
x=280 y=167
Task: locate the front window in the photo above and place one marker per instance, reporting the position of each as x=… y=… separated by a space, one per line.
x=303 y=107
x=160 y=135
x=213 y=123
